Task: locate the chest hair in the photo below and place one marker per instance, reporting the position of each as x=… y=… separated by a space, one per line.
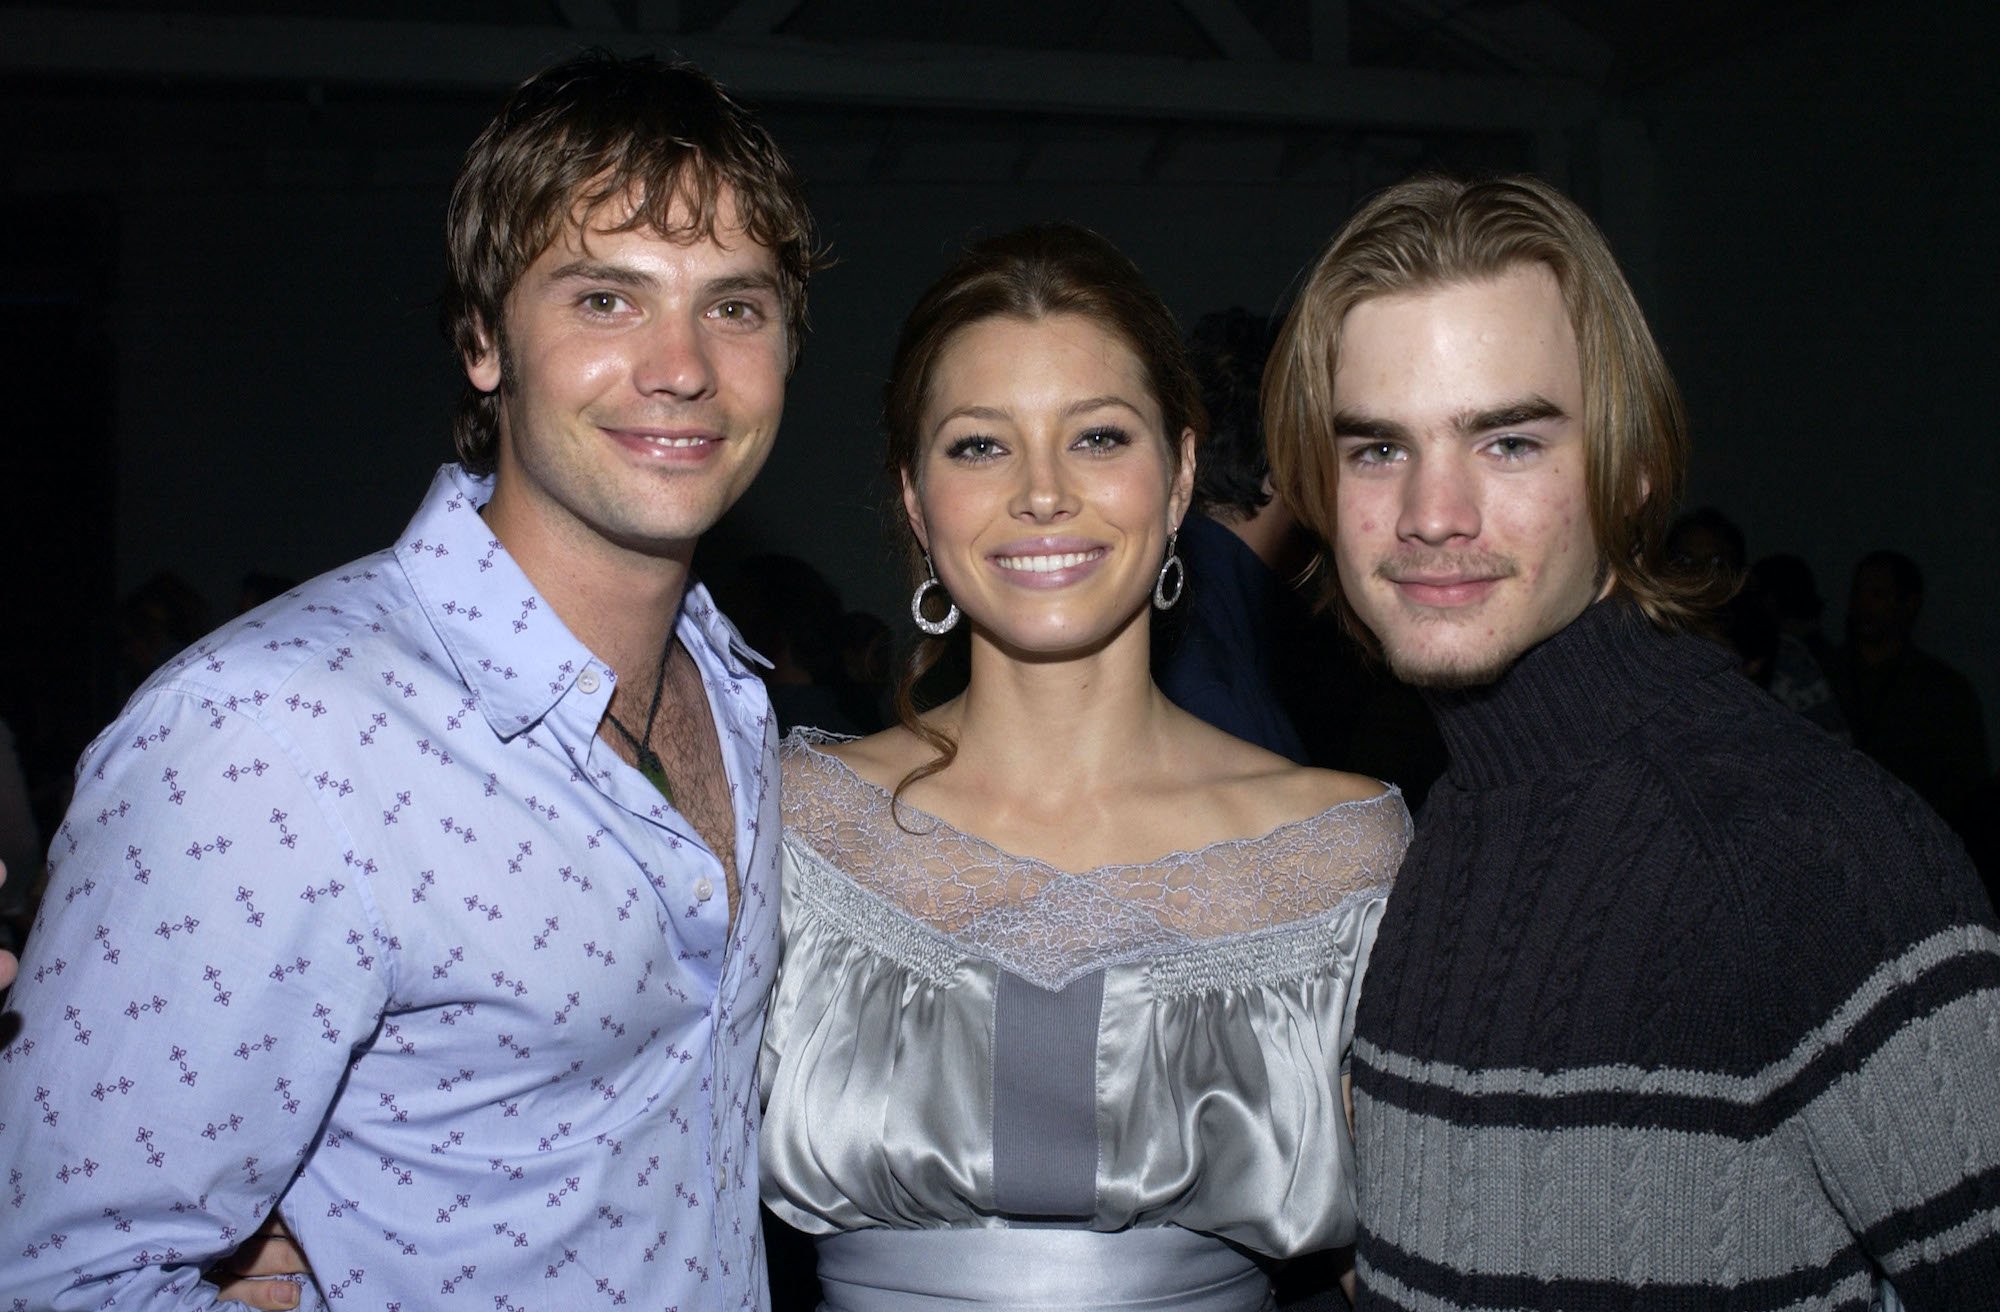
x=684 y=736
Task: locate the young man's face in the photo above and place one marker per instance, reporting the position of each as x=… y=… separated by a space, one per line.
x=1463 y=529
x=641 y=382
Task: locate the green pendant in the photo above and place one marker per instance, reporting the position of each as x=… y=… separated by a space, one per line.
x=655 y=771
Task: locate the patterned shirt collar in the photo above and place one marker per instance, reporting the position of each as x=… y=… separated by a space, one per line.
x=515 y=655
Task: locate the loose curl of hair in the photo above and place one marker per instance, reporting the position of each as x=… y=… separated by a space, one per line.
x=598 y=130
x=1030 y=273
x=1433 y=232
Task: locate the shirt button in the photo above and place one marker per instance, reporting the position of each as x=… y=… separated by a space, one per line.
x=722 y=1179
x=587 y=681
x=703 y=889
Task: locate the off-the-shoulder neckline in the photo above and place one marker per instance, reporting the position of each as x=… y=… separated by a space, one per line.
x=809 y=740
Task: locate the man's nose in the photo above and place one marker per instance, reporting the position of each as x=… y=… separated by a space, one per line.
x=674 y=360
x=1440 y=501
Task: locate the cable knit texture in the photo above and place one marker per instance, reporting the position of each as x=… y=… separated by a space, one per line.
x=1678 y=1004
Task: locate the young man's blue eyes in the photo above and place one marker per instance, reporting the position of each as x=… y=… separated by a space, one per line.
x=1514 y=448
x=1509 y=447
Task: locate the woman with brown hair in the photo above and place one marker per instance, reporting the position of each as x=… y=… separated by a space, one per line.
x=1069 y=974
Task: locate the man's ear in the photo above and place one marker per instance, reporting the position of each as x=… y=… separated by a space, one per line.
x=1181 y=495
x=482 y=369
x=913 y=508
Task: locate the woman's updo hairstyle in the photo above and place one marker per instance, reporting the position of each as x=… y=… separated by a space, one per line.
x=1031 y=273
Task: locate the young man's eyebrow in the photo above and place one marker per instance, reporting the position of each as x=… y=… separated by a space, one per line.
x=1353 y=423
x=1527 y=410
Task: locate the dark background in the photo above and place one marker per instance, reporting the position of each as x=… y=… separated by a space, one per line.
x=220 y=247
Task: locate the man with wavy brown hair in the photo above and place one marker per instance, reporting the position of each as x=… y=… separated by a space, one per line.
x=432 y=906
x=1678 y=1003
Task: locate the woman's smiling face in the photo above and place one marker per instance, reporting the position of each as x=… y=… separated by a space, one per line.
x=1044 y=488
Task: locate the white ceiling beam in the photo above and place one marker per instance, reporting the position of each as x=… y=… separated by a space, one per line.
x=339 y=52
x=757 y=17
x=1223 y=23
x=1444 y=22
x=1530 y=37
x=589 y=15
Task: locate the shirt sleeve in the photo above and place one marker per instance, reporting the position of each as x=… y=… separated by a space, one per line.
x=204 y=966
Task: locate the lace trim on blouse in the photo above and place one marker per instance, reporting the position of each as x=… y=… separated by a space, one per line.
x=1233 y=912
x=852 y=912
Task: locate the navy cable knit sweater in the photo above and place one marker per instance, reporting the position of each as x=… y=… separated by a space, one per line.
x=1677 y=1004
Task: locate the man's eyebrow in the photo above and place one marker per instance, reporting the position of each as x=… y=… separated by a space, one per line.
x=731 y=283
x=1527 y=410
x=617 y=275
x=1509 y=414
x=1353 y=423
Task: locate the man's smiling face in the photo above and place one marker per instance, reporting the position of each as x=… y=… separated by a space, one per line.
x=1463 y=529
x=641 y=382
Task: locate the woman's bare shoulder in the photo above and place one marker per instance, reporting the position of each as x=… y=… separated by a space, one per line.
x=1266 y=790
x=883 y=758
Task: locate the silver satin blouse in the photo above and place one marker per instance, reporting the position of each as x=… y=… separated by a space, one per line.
x=962 y=1038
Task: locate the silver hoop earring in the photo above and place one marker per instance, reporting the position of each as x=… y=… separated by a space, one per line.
x=939 y=627
x=1163 y=599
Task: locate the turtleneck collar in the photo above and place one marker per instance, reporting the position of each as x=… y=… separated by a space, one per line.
x=1569 y=697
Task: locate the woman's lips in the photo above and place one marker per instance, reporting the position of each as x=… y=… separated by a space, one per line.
x=1048 y=562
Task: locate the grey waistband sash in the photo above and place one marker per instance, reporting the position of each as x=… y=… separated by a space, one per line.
x=1037 y=1268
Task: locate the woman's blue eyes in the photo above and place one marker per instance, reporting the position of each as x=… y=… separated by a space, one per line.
x=980 y=447
x=973 y=448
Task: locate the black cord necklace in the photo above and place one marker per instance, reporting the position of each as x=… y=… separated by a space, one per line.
x=649 y=762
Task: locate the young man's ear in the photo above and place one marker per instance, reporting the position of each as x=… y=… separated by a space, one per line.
x=482 y=370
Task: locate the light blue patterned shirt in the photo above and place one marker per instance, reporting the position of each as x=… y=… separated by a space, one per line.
x=355 y=913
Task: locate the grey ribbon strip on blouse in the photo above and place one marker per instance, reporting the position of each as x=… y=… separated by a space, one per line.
x=1045 y=1097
